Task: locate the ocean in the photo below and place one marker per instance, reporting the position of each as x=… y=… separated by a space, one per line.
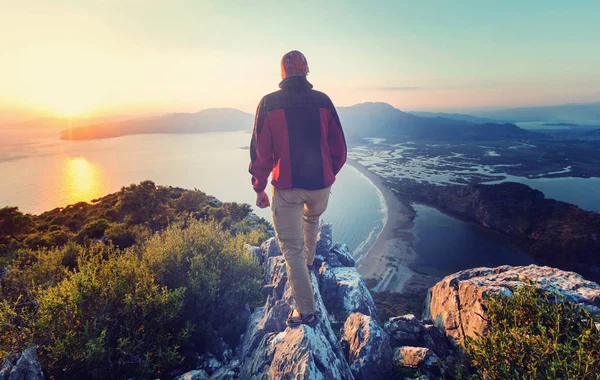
x=41 y=172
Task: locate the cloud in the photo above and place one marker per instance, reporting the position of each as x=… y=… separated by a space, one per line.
x=387 y=88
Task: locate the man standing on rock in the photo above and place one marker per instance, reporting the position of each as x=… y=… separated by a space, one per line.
x=297 y=136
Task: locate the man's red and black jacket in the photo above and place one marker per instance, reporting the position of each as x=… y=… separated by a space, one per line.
x=298 y=136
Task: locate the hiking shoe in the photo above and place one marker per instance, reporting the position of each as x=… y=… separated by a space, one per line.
x=307 y=319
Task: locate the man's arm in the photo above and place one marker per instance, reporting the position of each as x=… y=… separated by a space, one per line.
x=336 y=141
x=261 y=150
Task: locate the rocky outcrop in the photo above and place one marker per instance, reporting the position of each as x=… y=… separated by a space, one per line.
x=22 y=367
x=270 y=350
x=367 y=348
x=457 y=303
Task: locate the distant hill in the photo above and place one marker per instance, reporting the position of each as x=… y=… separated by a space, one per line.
x=455 y=116
x=572 y=113
x=594 y=133
x=383 y=120
x=209 y=120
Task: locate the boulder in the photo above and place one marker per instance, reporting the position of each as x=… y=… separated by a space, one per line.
x=345 y=292
x=407 y=330
x=404 y=330
x=367 y=348
x=198 y=374
x=457 y=302
x=270 y=248
x=416 y=357
x=271 y=350
x=342 y=253
x=22 y=366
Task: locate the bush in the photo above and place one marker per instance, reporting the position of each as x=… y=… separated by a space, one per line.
x=111 y=319
x=535 y=336
x=219 y=274
x=97 y=311
x=92 y=230
x=120 y=235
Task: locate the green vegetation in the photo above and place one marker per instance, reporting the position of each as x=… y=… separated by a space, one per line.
x=535 y=336
x=125 y=218
x=116 y=288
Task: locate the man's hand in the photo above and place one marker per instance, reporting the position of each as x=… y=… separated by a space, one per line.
x=262 y=200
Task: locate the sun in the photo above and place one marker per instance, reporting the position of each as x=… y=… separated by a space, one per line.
x=69 y=110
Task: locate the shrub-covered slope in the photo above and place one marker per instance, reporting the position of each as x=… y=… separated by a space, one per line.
x=140 y=282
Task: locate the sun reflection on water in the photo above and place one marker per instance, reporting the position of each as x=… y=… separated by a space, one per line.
x=81 y=180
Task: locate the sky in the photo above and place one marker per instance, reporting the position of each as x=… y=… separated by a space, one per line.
x=125 y=57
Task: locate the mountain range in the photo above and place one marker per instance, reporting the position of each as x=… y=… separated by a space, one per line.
x=359 y=121
x=560 y=113
x=457 y=116
x=383 y=120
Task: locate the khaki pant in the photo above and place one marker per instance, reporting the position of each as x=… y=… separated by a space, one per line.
x=296 y=215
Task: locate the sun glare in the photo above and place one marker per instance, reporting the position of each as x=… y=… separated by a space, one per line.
x=81 y=180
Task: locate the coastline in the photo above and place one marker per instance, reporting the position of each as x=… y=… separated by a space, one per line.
x=389 y=258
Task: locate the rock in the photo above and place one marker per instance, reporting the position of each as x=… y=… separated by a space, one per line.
x=270 y=248
x=7 y=366
x=404 y=330
x=256 y=252
x=324 y=240
x=434 y=339
x=407 y=330
x=367 y=348
x=343 y=255
x=415 y=357
x=457 y=303
x=212 y=364
x=345 y=292
x=333 y=260
x=227 y=355
x=227 y=372
x=198 y=374
x=276 y=276
x=271 y=350
x=25 y=366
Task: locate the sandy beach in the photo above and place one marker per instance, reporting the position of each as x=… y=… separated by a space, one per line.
x=388 y=261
